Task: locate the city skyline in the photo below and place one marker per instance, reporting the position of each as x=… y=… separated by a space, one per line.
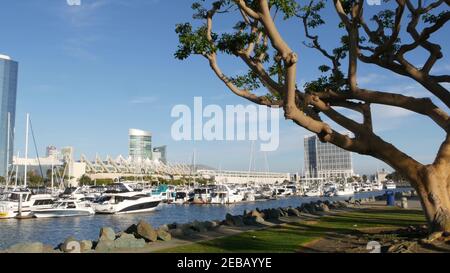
x=82 y=98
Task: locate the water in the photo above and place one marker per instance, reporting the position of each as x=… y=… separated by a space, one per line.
x=55 y=230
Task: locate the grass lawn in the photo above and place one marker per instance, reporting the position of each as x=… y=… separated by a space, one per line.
x=289 y=237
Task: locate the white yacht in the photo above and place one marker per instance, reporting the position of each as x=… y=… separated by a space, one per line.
x=202 y=195
x=180 y=197
x=390 y=185
x=65 y=208
x=345 y=190
x=225 y=195
x=9 y=206
x=121 y=199
x=313 y=193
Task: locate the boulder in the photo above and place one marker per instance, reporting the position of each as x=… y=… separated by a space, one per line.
x=70 y=245
x=104 y=245
x=131 y=229
x=146 y=231
x=341 y=205
x=199 y=226
x=210 y=225
x=323 y=208
x=164 y=235
x=35 y=247
x=255 y=213
x=293 y=212
x=273 y=214
x=253 y=220
x=164 y=227
x=177 y=232
x=86 y=245
x=237 y=220
x=107 y=233
x=127 y=241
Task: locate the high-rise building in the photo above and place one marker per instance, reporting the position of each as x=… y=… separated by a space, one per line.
x=160 y=153
x=52 y=152
x=325 y=160
x=8 y=94
x=140 y=145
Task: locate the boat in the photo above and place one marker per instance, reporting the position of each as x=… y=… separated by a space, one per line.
x=313 y=193
x=180 y=197
x=390 y=185
x=21 y=202
x=345 y=190
x=65 y=208
x=225 y=195
x=366 y=187
x=202 y=195
x=121 y=199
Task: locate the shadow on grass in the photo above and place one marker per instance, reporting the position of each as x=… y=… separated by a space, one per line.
x=291 y=236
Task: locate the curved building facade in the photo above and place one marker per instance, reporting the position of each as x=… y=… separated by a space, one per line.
x=8 y=94
x=140 y=145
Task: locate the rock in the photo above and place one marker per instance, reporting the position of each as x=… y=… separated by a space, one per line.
x=211 y=224
x=71 y=245
x=127 y=241
x=50 y=249
x=35 y=247
x=273 y=214
x=164 y=235
x=131 y=229
x=104 y=245
x=177 y=232
x=107 y=233
x=323 y=208
x=86 y=245
x=253 y=220
x=146 y=231
x=174 y=225
x=199 y=226
x=164 y=227
x=404 y=203
x=255 y=213
x=293 y=212
x=342 y=205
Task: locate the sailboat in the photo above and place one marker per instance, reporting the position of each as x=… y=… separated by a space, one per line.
x=21 y=202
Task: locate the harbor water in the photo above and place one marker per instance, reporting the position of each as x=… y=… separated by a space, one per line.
x=55 y=230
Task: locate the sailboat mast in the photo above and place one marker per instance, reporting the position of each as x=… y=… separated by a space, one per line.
x=26 y=152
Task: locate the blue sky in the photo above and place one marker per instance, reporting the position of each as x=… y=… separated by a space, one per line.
x=89 y=73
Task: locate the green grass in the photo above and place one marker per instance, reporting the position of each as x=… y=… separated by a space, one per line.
x=289 y=237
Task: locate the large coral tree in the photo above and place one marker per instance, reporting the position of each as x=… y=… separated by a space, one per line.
x=385 y=39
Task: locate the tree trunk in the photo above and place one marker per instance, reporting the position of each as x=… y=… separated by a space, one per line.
x=434 y=191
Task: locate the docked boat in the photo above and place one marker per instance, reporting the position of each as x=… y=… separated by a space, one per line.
x=202 y=195
x=65 y=208
x=22 y=203
x=345 y=190
x=390 y=185
x=313 y=193
x=121 y=199
x=225 y=195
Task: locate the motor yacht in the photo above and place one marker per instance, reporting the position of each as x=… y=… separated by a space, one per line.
x=65 y=208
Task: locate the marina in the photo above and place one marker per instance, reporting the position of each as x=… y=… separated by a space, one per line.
x=55 y=230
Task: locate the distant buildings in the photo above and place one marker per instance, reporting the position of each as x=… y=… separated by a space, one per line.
x=140 y=145
x=160 y=153
x=324 y=161
x=8 y=94
x=52 y=151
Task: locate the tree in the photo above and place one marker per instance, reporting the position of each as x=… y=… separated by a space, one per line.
x=381 y=41
x=86 y=180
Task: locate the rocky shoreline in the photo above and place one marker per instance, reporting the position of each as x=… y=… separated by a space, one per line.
x=142 y=235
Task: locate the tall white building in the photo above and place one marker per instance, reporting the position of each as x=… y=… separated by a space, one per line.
x=140 y=145
x=324 y=161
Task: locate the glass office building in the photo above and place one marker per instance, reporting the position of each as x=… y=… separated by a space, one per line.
x=325 y=160
x=8 y=93
x=140 y=145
